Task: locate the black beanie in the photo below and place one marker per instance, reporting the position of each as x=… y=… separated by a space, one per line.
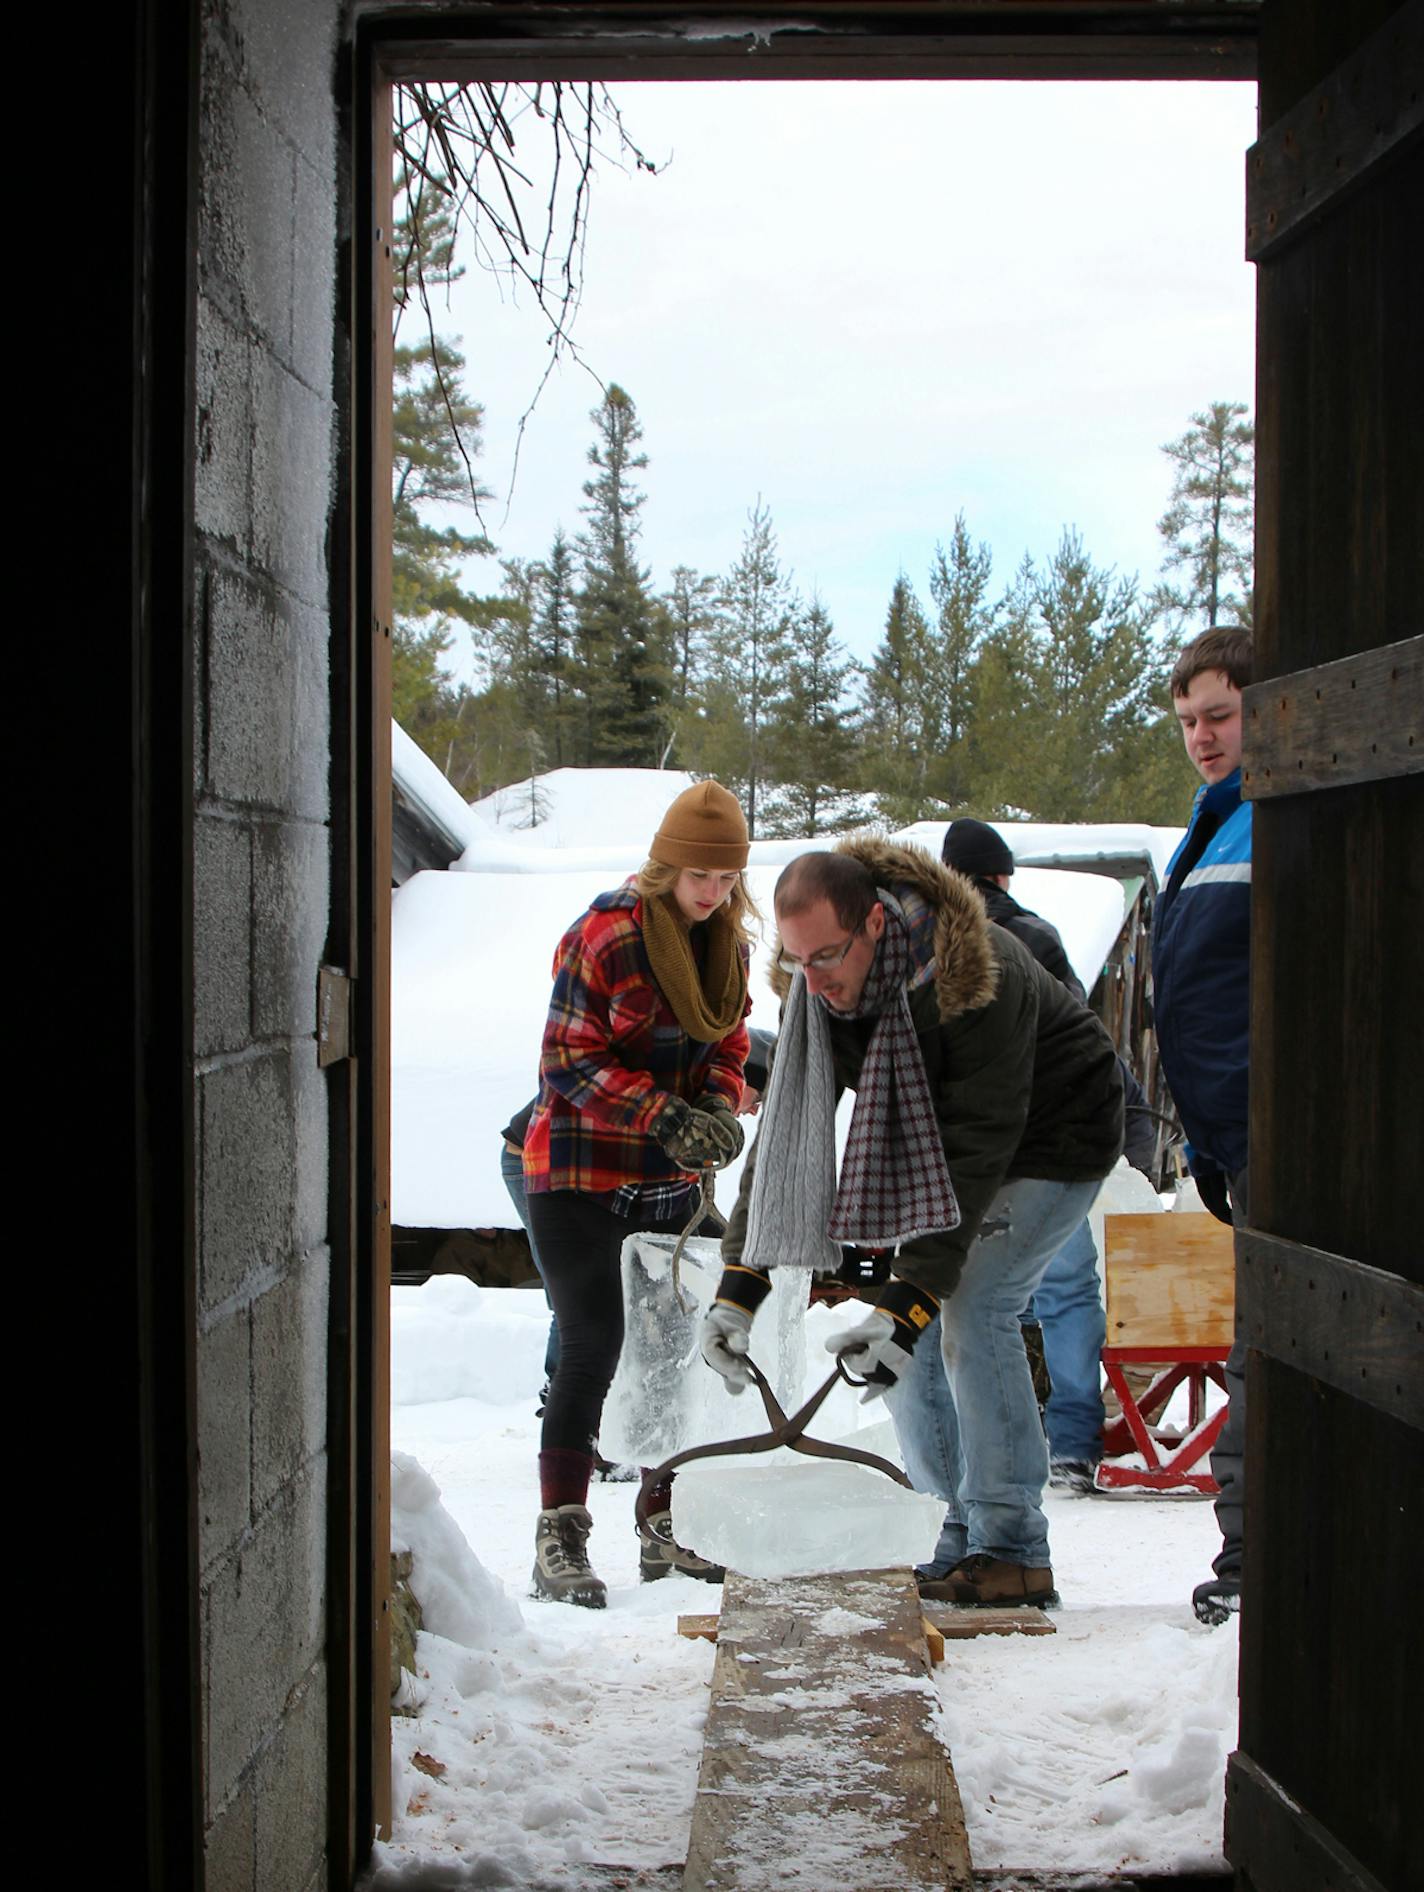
x=976 y=848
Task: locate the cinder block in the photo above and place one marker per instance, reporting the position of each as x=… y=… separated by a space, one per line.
x=289 y=62
x=222 y=935
x=292 y=473
x=229 y=1853
x=314 y=294
x=309 y=785
x=251 y=692
x=262 y=1623
x=246 y=204
x=289 y=1358
x=312 y=1107
x=223 y=421
x=247 y=1173
x=291 y=888
x=291 y=1795
x=224 y=1392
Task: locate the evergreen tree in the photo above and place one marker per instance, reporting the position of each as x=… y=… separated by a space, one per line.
x=959 y=585
x=1209 y=524
x=893 y=713
x=555 y=633
x=750 y=651
x=810 y=743
x=622 y=667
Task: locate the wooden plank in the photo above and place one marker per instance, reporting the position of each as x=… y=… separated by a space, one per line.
x=957 y=1624
x=1276 y=1846
x=699 y=1628
x=1358 y=719
x=1358 y=1329
x=934 y=1640
x=1170 y=1281
x=1331 y=141
x=820 y=1763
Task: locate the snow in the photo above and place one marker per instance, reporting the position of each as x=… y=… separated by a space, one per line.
x=548 y=1743
x=570 y=1739
x=472 y=953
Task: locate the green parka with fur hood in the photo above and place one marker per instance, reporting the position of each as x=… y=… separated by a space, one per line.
x=1024 y=1078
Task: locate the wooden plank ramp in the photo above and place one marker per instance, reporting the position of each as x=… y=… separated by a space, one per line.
x=821 y=1765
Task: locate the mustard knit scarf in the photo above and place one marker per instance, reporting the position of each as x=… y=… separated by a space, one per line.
x=709 y=1001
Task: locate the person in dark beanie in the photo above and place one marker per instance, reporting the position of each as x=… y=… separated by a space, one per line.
x=1201 y=979
x=974 y=848
x=641 y=1079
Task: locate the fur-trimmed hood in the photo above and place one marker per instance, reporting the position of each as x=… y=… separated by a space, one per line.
x=966 y=965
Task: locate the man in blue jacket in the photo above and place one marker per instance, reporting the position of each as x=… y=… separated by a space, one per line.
x=1201 y=974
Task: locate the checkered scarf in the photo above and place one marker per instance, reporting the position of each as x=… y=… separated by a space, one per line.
x=894 y=1182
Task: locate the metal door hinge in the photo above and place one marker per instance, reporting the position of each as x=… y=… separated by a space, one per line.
x=334 y=990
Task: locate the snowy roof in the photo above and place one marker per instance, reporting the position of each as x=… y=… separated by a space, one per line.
x=1069 y=843
x=471 y=958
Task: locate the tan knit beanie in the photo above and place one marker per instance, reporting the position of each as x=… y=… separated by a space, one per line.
x=704 y=827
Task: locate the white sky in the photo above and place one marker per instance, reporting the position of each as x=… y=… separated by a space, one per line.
x=877 y=304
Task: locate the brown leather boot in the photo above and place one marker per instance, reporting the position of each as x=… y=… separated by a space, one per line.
x=986 y=1582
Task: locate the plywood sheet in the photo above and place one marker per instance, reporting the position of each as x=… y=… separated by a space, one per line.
x=821 y=1765
x=1171 y=1281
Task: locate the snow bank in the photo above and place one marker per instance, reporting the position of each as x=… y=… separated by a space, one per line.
x=453 y=1340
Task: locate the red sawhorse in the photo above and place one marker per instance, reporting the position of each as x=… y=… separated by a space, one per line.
x=1170 y=1284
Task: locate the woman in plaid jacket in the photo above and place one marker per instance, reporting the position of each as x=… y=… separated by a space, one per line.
x=641 y=1076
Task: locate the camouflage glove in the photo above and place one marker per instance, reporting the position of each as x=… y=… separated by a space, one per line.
x=694 y=1135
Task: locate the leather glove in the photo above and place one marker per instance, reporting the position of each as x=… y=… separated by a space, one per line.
x=725 y=1340
x=694 y=1135
x=872 y=1351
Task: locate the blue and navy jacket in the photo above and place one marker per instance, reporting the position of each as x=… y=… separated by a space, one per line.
x=1201 y=976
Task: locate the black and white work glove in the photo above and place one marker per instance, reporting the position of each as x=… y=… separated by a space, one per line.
x=879 y=1349
x=725 y=1341
x=726 y=1335
x=694 y=1135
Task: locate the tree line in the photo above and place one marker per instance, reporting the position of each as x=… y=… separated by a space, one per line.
x=1042 y=697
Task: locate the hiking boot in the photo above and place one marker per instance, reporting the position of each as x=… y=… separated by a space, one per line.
x=989 y=1582
x=1216 y=1600
x=664 y=1557
x=1073 y=1474
x=561 y=1566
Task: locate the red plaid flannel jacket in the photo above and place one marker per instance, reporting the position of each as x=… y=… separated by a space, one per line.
x=613 y=1054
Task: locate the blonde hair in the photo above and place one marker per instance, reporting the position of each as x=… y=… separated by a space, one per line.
x=656 y=880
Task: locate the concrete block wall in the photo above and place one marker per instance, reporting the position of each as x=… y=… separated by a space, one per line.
x=264 y=436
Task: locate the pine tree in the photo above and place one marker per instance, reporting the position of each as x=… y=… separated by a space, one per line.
x=750 y=651
x=555 y=632
x=959 y=585
x=1209 y=524
x=893 y=713
x=622 y=667
x=810 y=743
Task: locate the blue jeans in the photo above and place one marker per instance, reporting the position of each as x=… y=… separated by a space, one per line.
x=1068 y=1304
x=511 y=1168
x=965 y=1413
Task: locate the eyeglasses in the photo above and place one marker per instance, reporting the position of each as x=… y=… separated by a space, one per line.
x=819 y=962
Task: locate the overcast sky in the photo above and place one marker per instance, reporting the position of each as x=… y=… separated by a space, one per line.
x=878 y=304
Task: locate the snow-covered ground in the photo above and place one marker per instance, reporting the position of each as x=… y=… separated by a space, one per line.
x=549 y=1740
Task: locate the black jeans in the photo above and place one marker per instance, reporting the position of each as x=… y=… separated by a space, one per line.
x=579 y=1240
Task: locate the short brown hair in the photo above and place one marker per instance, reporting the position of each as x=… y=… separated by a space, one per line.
x=1225 y=647
x=845 y=881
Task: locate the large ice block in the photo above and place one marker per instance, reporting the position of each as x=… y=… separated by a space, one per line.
x=787 y=1515
x=664 y=1397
